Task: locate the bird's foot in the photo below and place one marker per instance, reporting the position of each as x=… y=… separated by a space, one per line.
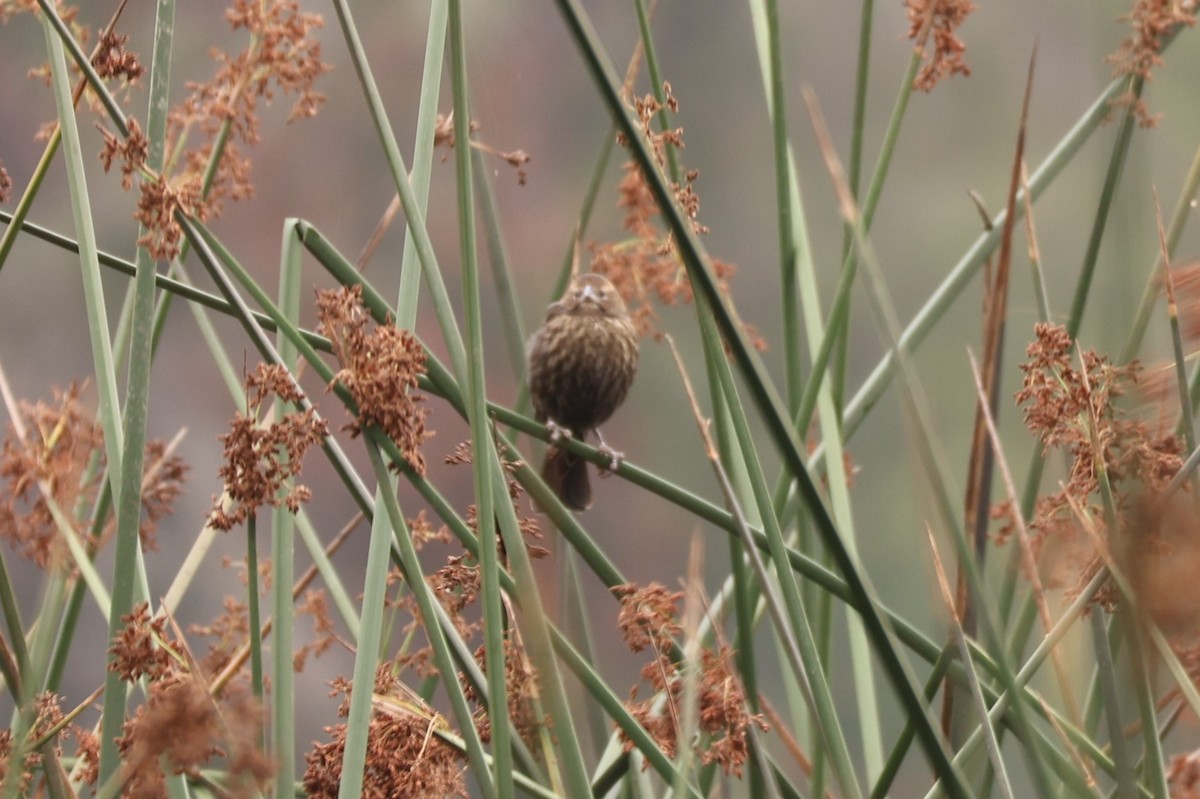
x=557 y=431
x=614 y=456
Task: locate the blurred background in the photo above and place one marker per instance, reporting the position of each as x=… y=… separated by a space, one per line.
x=530 y=91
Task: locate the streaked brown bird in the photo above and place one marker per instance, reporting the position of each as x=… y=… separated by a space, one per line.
x=581 y=364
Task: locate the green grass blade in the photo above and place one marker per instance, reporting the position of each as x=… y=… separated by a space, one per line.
x=506 y=295
x=1112 y=177
x=106 y=384
x=790 y=221
x=1153 y=767
x=482 y=447
x=283 y=525
x=1122 y=758
x=431 y=81
x=837 y=329
x=861 y=81
x=102 y=356
x=537 y=632
x=366 y=657
x=799 y=279
x=254 y=613
x=904 y=741
x=996 y=758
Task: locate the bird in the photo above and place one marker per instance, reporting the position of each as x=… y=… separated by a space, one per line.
x=581 y=363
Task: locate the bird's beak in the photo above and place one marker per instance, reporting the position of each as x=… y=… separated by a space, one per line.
x=589 y=295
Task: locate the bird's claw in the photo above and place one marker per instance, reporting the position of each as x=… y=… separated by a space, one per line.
x=614 y=456
x=614 y=459
x=557 y=431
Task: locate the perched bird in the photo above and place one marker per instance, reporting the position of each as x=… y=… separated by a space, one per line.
x=581 y=364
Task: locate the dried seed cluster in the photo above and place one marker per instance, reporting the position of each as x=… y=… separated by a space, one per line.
x=649 y=620
x=113 y=60
x=520 y=681
x=61 y=456
x=181 y=726
x=1151 y=23
x=944 y=58
x=646 y=266
x=1070 y=401
x=405 y=757
x=47 y=725
x=380 y=369
x=282 y=55
x=1183 y=776
x=261 y=459
x=531 y=530
x=444 y=136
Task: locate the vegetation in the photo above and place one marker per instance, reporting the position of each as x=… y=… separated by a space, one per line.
x=1054 y=651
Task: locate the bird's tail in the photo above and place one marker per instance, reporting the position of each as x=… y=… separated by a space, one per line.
x=567 y=475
